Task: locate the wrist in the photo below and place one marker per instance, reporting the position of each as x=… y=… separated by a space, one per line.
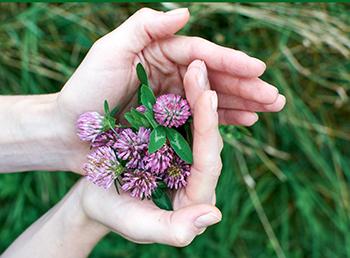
x=36 y=133
x=76 y=223
x=64 y=231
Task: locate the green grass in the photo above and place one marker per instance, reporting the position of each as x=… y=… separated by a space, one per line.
x=284 y=190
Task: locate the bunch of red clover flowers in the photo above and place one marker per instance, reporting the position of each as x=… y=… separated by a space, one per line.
x=148 y=158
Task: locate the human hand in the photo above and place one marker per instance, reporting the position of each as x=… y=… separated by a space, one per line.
x=88 y=212
x=108 y=72
x=193 y=205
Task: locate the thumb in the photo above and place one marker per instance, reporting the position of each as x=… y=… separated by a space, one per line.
x=175 y=228
x=207 y=145
x=188 y=222
x=207 y=142
x=142 y=221
x=147 y=25
x=195 y=81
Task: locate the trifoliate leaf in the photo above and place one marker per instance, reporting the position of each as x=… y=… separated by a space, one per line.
x=188 y=132
x=180 y=145
x=157 y=139
x=147 y=97
x=149 y=115
x=161 y=199
x=141 y=74
x=108 y=123
x=136 y=119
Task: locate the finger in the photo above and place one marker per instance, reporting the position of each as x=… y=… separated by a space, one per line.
x=147 y=25
x=176 y=228
x=207 y=145
x=253 y=89
x=195 y=82
x=142 y=221
x=183 y=50
x=234 y=102
x=201 y=188
x=237 y=117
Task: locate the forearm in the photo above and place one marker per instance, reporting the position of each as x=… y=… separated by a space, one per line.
x=29 y=134
x=64 y=231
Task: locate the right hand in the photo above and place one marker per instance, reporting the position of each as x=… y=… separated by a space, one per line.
x=194 y=210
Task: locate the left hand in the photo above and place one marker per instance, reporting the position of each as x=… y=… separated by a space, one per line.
x=108 y=72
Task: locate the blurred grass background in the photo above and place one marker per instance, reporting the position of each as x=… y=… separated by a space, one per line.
x=284 y=189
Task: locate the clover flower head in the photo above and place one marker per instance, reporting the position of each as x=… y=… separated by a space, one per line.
x=142 y=137
x=102 y=167
x=139 y=183
x=89 y=125
x=171 y=110
x=132 y=146
x=176 y=175
x=107 y=138
x=160 y=160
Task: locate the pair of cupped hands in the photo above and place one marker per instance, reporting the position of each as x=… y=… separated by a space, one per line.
x=222 y=86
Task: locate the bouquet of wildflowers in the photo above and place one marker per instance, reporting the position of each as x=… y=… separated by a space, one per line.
x=148 y=158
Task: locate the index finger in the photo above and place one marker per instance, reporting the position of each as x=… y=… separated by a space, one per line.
x=183 y=50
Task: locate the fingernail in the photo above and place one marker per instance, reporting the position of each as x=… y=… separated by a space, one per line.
x=177 y=11
x=206 y=220
x=214 y=100
x=203 y=76
x=253 y=120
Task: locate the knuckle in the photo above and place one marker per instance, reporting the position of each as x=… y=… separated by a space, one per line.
x=183 y=242
x=219 y=165
x=183 y=237
x=194 y=47
x=215 y=168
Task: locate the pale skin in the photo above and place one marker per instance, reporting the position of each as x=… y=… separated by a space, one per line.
x=221 y=85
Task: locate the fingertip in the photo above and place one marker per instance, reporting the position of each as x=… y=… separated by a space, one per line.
x=270 y=94
x=207 y=219
x=188 y=222
x=195 y=81
x=195 y=64
x=248 y=67
x=252 y=119
x=217 y=212
x=260 y=66
x=278 y=105
x=248 y=119
x=237 y=117
x=283 y=101
x=178 y=11
x=184 y=13
x=147 y=24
